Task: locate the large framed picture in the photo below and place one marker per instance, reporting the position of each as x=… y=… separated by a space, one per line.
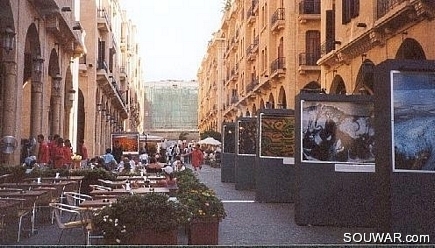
x=229 y=138
x=247 y=137
x=413 y=121
x=339 y=132
x=277 y=135
x=129 y=142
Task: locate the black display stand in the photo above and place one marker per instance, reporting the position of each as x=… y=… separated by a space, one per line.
x=246 y=141
x=404 y=158
x=333 y=189
x=228 y=152
x=275 y=175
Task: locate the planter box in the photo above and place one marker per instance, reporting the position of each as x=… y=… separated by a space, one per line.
x=204 y=232
x=149 y=237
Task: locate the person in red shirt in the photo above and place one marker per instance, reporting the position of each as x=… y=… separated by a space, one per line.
x=52 y=146
x=43 y=152
x=197 y=157
x=67 y=153
x=58 y=154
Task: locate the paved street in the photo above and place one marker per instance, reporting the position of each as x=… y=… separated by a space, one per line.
x=247 y=223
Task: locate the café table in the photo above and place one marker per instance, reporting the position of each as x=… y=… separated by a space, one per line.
x=151 y=176
x=59 y=185
x=31 y=200
x=97 y=203
x=140 y=190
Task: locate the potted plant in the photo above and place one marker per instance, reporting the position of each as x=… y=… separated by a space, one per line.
x=206 y=209
x=150 y=219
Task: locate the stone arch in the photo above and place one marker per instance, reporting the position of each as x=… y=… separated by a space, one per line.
x=270 y=104
x=312 y=87
x=410 y=49
x=364 y=79
x=33 y=118
x=282 y=99
x=262 y=105
x=338 y=86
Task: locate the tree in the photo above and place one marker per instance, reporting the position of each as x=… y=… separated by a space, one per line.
x=183 y=135
x=211 y=133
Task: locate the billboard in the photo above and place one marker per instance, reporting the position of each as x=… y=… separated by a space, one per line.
x=413 y=121
x=337 y=132
x=276 y=135
x=129 y=142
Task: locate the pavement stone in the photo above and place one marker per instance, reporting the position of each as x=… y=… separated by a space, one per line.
x=248 y=223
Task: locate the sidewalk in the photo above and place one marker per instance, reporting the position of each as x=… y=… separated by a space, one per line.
x=248 y=223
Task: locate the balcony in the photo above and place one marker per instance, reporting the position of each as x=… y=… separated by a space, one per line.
x=255 y=44
x=277 y=67
x=308 y=62
x=309 y=10
x=234 y=74
x=251 y=86
x=122 y=73
x=123 y=45
x=255 y=6
x=250 y=16
x=278 y=20
x=83 y=66
x=250 y=54
x=103 y=21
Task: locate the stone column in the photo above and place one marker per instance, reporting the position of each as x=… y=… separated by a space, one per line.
x=36 y=106
x=10 y=99
x=55 y=122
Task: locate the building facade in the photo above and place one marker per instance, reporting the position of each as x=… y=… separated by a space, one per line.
x=41 y=44
x=171 y=108
x=264 y=53
x=267 y=51
x=110 y=75
x=58 y=74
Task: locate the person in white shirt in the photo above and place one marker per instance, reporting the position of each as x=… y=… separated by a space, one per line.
x=177 y=165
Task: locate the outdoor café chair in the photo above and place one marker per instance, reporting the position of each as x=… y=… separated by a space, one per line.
x=75 y=212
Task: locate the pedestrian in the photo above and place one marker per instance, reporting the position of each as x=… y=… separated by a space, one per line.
x=67 y=154
x=58 y=154
x=117 y=151
x=110 y=162
x=197 y=157
x=43 y=152
x=83 y=151
x=52 y=146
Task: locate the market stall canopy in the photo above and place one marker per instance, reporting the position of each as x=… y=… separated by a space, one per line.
x=209 y=141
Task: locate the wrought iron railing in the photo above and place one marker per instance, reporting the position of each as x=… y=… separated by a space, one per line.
x=309 y=7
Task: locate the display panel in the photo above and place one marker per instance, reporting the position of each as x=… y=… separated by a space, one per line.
x=337 y=132
x=247 y=137
x=128 y=142
x=413 y=121
x=277 y=135
x=229 y=138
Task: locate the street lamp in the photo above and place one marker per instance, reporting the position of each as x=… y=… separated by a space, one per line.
x=56 y=81
x=37 y=64
x=8 y=39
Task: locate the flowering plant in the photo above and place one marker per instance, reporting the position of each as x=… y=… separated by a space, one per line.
x=203 y=203
x=76 y=157
x=133 y=213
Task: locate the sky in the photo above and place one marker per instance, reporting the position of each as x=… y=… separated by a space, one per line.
x=173 y=35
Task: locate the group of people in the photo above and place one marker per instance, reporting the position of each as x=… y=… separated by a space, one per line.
x=57 y=153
